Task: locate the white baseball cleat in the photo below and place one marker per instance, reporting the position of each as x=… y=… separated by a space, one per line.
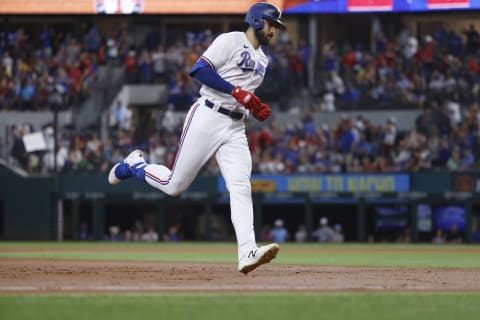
x=121 y=170
x=257 y=257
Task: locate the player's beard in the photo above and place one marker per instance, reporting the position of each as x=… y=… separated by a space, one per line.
x=262 y=37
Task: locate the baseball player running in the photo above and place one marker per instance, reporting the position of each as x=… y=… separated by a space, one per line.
x=230 y=70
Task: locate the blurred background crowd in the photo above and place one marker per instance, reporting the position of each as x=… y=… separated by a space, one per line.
x=437 y=74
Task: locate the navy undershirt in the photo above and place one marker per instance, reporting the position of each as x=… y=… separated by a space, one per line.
x=209 y=77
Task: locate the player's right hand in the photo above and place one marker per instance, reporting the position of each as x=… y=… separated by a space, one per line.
x=246 y=98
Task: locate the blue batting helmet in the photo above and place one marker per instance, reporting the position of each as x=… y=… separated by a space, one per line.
x=264 y=10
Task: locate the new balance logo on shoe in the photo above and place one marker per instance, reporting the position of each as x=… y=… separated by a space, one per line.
x=257 y=257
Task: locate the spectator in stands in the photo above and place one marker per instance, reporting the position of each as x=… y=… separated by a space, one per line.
x=172 y=234
x=93 y=39
x=145 y=66
x=113 y=56
x=439 y=237
x=390 y=135
x=150 y=235
x=337 y=236
x=278 y=233
x=405 y=235
x=467 y=160
x=18 y=151
x=350 y=96
x=301 y=234
x=304 y=52
x=473 y=40
x=159 y=61
x=453 y=162
x=454 y=235
x=7 y=64
x=324 y=233
x=409 y=47
x=455 y=43
x=131 y=66
x=117 y=114
x=114 y=234
x=84 y=233
x=127 y=235
x=28 y=93
x=330 y=57
x=333 y=88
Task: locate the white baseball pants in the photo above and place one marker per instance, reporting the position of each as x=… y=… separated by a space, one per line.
x=207 y=132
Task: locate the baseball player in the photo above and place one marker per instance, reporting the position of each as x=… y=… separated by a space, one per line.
x=230 y=70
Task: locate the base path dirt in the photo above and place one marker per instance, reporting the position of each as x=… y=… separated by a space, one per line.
x=68 y=276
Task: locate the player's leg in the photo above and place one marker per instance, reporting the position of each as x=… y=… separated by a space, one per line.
x=200 y=138
x=198 y=142
x=235 y=164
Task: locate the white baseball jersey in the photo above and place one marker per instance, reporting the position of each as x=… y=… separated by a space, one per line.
x=234 y=58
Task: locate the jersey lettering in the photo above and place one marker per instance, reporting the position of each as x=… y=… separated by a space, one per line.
x=260 y=70
x=248 y=64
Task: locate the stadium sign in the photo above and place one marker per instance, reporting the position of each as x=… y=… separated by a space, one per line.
x=328 y=183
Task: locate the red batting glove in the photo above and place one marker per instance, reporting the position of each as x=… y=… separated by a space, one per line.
x=262 y=112
x=246 y=98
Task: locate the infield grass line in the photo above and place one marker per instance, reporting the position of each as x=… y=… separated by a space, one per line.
x=361 y=255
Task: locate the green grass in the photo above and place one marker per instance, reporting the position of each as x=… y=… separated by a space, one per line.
x=378 y=255
x=241 y=307
x=122 y=256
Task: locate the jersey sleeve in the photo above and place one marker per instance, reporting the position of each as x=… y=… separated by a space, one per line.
x=219 y=51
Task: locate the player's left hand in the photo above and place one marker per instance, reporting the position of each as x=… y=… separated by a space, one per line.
x=246 y=98
x=262 y=112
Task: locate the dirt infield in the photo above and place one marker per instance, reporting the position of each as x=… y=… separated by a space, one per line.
x=62 y=276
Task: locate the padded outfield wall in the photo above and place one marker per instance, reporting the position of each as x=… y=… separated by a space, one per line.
x=49 y=208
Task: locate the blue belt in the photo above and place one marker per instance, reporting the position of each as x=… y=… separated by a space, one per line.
x=232 y=114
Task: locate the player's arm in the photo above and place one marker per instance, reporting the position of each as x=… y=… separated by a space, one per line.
x=204 y=72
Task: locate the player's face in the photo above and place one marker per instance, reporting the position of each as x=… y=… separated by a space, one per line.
x=266 y=34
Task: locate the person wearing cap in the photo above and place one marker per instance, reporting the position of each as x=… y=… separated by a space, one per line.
x=390 y=134
x=324 y=233
x=338 y=236
x=279 y=233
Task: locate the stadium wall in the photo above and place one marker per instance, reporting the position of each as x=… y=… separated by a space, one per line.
x=53 y=208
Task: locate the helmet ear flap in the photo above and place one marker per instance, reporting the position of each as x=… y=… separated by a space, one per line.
x=258 y=23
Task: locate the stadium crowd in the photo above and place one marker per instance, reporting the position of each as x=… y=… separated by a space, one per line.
x=401 y=70
x=45 y=70
x=437 y=142
x=437 y=74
